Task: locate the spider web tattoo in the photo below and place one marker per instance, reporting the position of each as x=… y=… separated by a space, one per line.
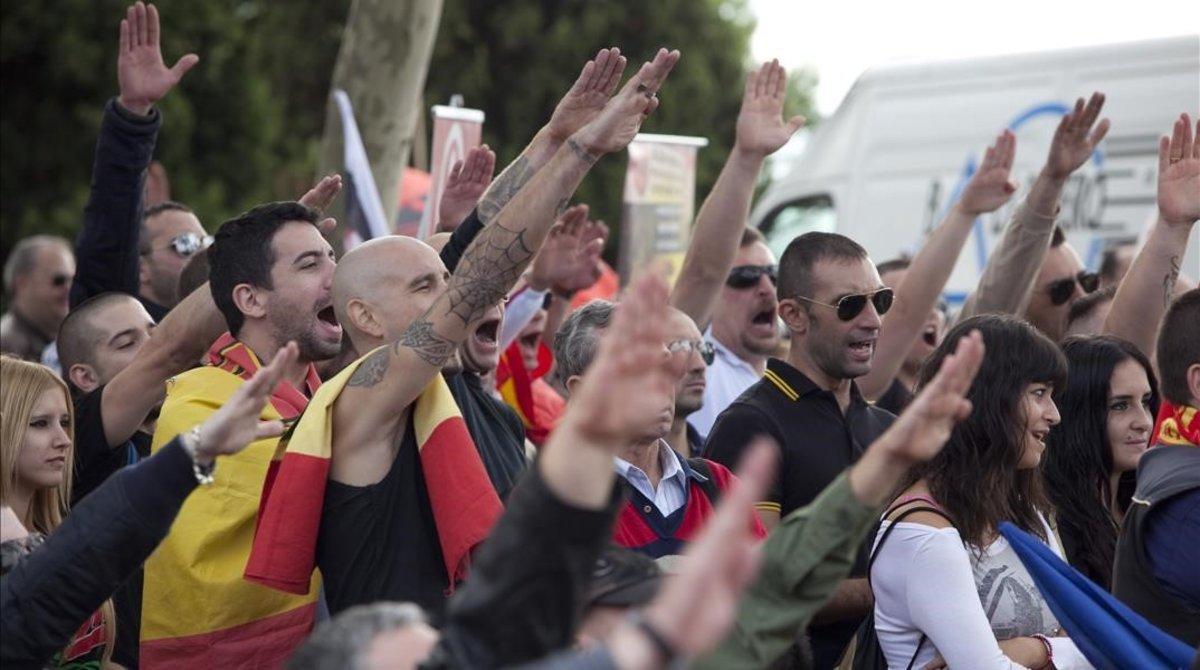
x=488 y=269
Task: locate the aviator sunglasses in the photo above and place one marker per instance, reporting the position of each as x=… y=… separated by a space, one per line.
x=745 y=276
x=850 y=306
x=705 y=349
x=1061 y=290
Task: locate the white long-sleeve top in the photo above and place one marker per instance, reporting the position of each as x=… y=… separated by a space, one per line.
x=925 y=580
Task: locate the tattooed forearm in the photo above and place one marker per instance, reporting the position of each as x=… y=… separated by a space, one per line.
x=424 y=340
x=1169 y=281
x=487 y=271
x=371 y=371
x=504 y=188
x=581 y=153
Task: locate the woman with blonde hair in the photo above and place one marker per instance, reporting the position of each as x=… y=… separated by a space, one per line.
x=35 y=479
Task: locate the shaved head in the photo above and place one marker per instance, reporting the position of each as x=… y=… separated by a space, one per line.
x=103 y=334
x=384 y=284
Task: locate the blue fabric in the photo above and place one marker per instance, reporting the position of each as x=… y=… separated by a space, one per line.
x=1172 y=534
x=1108 y=633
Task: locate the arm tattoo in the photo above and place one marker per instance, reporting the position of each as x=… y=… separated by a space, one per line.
x=487 y=271
x=424 y=340
x=581 y=153
x=371 y=371
x=504 y=188
x=1169 y=281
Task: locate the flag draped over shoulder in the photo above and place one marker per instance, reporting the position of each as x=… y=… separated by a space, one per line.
x=464 y=503
x=197 y=611
x=1108 y=632
x=1177 y=425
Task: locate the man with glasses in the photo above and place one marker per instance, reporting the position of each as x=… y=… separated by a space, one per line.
x=1060 y=282
x=170 y=236
x=37 y=279
x=684 y=340
x=831 y=299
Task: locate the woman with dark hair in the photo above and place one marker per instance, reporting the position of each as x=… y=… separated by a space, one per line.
x=949 y=590
x=1108 y=407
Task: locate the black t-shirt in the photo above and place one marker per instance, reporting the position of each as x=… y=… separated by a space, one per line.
x=817 y=443
x=380 y=542
x=895 y=398
x=495 y=428
x=95 y=460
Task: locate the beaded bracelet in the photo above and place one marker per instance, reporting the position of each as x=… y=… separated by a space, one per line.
x=1049 y=651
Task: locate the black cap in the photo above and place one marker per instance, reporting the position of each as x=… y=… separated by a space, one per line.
x=623 y=578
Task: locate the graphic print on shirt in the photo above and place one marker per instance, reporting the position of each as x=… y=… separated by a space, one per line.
x=1013 y=605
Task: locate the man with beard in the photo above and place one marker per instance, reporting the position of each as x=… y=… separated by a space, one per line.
x=832 y=301
x=684 y=339
x=271 y=274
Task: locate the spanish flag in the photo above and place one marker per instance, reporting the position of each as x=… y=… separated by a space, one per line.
x=197 y=611
x=465 y=505
x=539 y=408
x=1177 y=425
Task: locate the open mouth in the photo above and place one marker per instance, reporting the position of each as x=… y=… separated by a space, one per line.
x=328 y=319
x=1040 y=436
x=487 y=332
x=862 y=349
x=929 y=336
x=531 y=340
x=765 y=317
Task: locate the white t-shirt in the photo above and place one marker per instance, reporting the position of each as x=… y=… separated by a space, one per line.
x=925 y=580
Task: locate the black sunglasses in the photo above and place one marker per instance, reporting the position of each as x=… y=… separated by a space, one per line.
x=706 y=350
x=1061 y=290
x=850 y=306
x=745 y=276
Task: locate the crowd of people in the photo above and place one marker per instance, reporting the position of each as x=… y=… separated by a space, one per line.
x=243 y=450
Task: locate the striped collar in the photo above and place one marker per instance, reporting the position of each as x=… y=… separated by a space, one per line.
x=794 y=384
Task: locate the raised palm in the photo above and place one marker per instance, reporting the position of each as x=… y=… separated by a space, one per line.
x=142 y=75
x=570 y=257
x=1075 y=139
x=588 y=94
x=466 y=183
x=236 y=424
x=760 y=126
x=1179 y=174
x=991 y=186
x=621 y=119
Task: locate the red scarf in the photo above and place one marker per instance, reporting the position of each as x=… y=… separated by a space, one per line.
x=1177 y=425
x=230 y=355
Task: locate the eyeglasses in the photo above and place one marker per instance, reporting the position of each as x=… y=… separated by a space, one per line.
x=60 y=280
x=745 y=276
x=850 y=306
x=187 y=244
x=705 y=349
x=1061 y=290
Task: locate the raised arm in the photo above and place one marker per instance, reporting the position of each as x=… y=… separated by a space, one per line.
x=1145 y=292
x=917 y=294
x=761 y=131
x=392 y=377
x=582 y=103
x=106 y=250
x=1007 y=282
x=465 y=184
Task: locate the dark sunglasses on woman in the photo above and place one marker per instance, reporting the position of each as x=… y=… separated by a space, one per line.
x=850 y=306
x=746 y=276
x=1061 y=290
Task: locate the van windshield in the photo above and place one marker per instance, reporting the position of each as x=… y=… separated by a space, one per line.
x=810 y=214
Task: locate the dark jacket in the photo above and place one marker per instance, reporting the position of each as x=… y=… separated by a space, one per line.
x=106 y=251
x=524 y=597
x=50 y=592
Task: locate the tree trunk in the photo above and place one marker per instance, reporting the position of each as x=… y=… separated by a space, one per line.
x=381 y=65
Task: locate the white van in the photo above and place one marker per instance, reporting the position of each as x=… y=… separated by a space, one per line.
x=898 y=150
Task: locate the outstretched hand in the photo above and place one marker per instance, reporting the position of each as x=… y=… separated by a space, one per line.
x=588 y=94
x=761 y=129
x=632 y=369
x=465 y=184
x=992 y=185
x=569 y=259
x=320 y=197
x=1179 y=174
x=142 y=75
x=236 y=424
x=621 y=119
x=1075 y=139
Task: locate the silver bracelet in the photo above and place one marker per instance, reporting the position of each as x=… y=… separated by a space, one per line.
x=190 y=442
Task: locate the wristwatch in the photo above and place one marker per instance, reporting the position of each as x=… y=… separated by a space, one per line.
x=191 y=442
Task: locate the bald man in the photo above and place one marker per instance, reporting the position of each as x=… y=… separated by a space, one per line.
x=685 y=339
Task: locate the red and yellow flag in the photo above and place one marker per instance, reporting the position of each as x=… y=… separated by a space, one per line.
x=1177 y=425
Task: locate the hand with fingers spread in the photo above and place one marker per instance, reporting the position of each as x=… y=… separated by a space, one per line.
x=588 y=95
x=142 y=75
x=466 y=183
x=236 y=424
x=1179 y=173
x=621 y=119
x=1076 y=137
x=761 y=129
x=569 y=259
x=321 y=196
x=992 y=184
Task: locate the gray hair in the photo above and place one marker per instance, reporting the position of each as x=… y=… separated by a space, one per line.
x=576 y=341
x=344 y=641
x=23 y=257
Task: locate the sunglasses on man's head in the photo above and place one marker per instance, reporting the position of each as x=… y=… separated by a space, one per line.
x=705 y=349
x=1061 y=290
x=745 y=276
x=850 y=306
